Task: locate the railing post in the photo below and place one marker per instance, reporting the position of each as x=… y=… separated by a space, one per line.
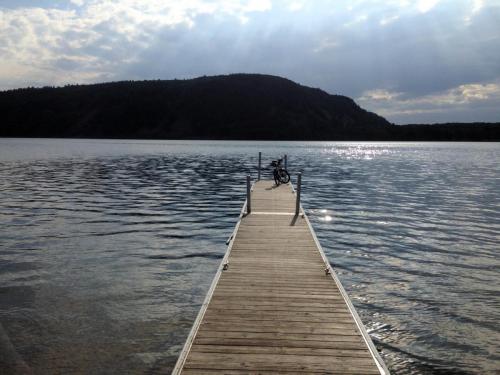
x=249 y=205
x=286 y=161
x=297 y=201
x=260 y=161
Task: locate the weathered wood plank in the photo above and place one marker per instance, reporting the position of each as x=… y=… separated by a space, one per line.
x=248 y=372
x=220 y=326
x=276 y=336
x=239 y=372
x=269 y=362
x=331 y=352
x=285 y=315
x=274 y=295
x=214 y=322
x=282 y=343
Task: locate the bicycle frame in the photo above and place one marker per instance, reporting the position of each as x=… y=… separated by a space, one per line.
x=277 y=169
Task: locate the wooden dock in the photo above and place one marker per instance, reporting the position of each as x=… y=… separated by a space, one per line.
x=275 y=305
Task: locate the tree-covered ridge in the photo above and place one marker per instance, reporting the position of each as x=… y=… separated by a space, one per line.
x=238 y=106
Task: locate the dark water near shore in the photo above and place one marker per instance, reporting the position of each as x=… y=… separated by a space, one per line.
x=107 y=248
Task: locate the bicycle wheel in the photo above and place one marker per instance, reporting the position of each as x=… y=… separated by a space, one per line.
x=284 y=176
x=276 y=177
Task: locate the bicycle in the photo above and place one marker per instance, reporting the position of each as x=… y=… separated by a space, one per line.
x=280 y=174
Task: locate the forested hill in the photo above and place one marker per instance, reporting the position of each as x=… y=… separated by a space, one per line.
x=239 y=106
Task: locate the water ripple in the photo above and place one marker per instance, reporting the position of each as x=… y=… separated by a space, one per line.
x=108 y=247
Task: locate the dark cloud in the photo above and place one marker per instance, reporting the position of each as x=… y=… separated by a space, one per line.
x=416 y=54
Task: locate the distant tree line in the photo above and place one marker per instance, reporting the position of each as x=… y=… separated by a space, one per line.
x=239 y=106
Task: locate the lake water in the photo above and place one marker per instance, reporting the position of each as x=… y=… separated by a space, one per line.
x=108 y=247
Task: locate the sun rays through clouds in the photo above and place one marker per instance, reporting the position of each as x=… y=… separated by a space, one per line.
x=402 y=51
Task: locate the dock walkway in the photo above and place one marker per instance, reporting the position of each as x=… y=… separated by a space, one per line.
x=275 y=306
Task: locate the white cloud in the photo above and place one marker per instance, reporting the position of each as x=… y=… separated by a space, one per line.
x=257 y=6
x=473 y=92
x=295 y=6
x=78 y=2
x=379 y=95
x=356 y=20
x=36 y=39
x=397 y=105
x=462 y=94
x=389 y=19
x=477 y=5
x=475 y=8
x=426 y=5
x=326 y=44
x=90 y=41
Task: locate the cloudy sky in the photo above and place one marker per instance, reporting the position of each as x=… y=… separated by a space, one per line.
x=410 y=61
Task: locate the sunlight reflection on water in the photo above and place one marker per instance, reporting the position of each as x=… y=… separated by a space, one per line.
x=108 y=247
